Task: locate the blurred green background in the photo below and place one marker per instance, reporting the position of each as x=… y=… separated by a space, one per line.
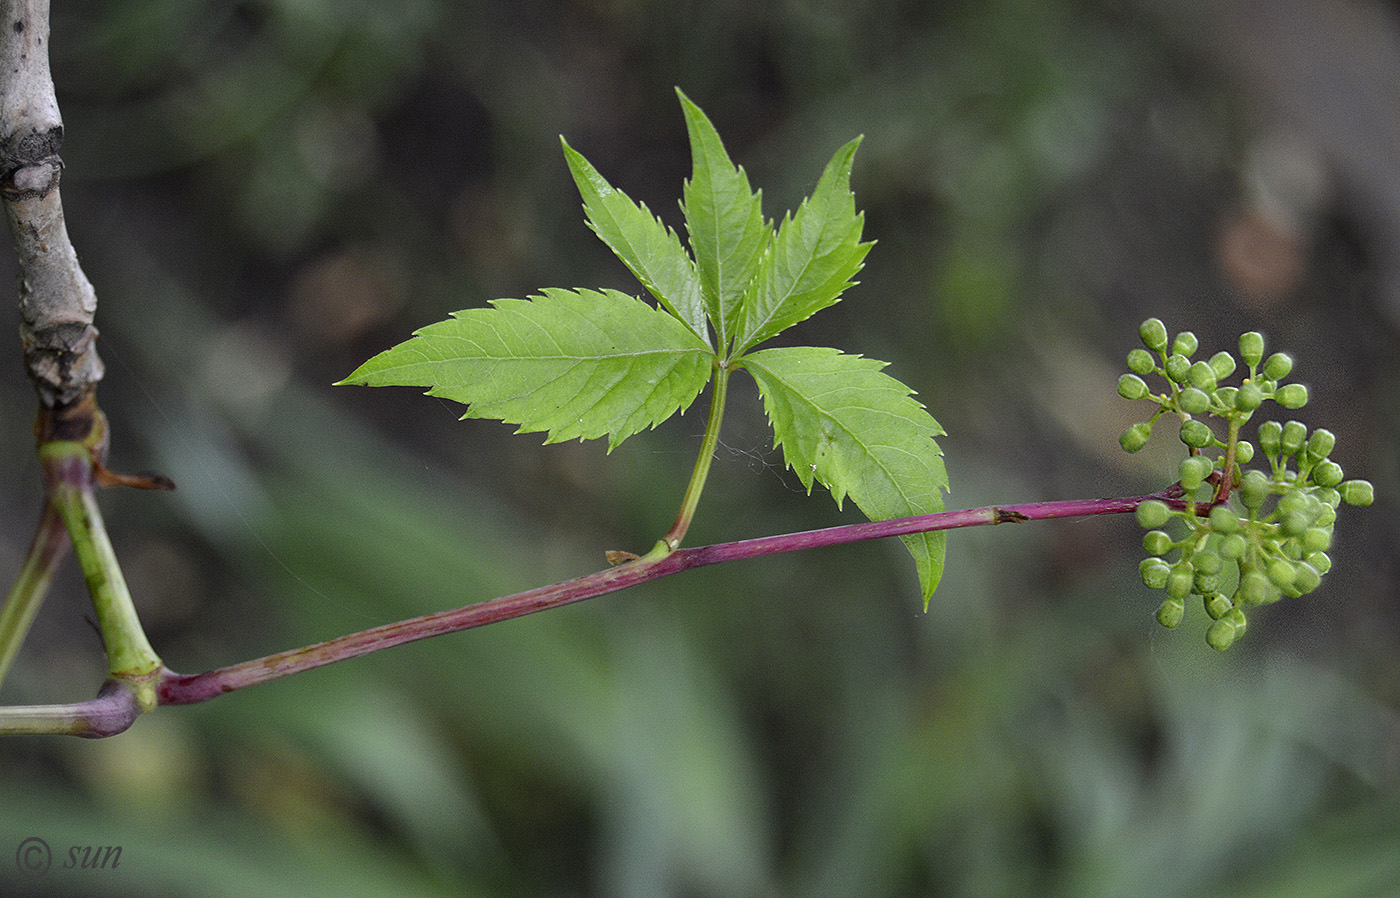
x=267 y=193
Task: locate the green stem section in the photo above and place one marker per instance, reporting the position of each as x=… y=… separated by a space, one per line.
x=129 y=654
x=1227 y=472
x=49 y=547
x=672 y=539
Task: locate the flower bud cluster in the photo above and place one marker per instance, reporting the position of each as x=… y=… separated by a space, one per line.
x=1234 y=538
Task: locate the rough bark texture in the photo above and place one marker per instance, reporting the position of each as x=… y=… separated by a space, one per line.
x=56 y=300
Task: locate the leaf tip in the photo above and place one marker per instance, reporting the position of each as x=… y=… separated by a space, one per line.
x=357 y=378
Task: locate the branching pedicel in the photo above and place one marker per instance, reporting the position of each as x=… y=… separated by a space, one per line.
x=1277 y=544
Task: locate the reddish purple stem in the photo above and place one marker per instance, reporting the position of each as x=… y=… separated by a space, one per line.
x=183 y=689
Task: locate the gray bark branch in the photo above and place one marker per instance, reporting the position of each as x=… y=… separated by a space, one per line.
x=56 y=300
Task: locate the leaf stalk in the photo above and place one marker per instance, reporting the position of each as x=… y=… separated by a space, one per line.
x=708 y=444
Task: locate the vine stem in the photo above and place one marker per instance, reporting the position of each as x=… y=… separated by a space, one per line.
x=179 y=689
x=121 y=701
x=113 y=711
x=56 y=300
x=49 y=547
x=69 y=472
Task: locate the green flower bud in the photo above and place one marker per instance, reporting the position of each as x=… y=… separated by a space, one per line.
x=1319 y=561
x=1256 y=589
x=1154 y=573
x=1244 y=452
x=1153 y=514
x=1204 y=584
x=1281 y=572
x=1178 y=367
x=1157 y=542
x=1130 y=386
x=1278 y=366
x=1170 y=612
x=1320 y=443
x=1295 y=523
x=1254 y=489
x=1292 y=439
x=1270 y=435
x=1192 y=400
x=1299 y=502
x=1328 y=474
x=1180 y=581
x=1234 y=546
x=1223 y=520
x=1306 y=579
x=1185 y=344
x=1291 y=396
x=1202 y=376
x=1196 y=434
x=1135 y=437
x=1252 y=348
x=1153 y=334
x=1226 y=396
x=1222 y=634
x=1223 y=364
x=1193 y=471
x=1357 y=492
x=1208 y=562
x=1236 y=616
x=1317 y=539
x=1249 y=397
x=1141 y=363
x=1216 y=606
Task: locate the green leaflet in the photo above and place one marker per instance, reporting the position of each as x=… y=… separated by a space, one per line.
x=725 y=221
x=841 y=421
x=585 y=363
x=811 y=260
x=573 y=363
x=645 y=245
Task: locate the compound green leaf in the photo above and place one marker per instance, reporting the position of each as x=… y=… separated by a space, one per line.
x=844 y=423
x=574 y=363
x=645 y=245
x=725 y=220
x=812 y=259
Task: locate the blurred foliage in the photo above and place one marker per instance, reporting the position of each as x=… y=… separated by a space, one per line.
x=266 y=193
